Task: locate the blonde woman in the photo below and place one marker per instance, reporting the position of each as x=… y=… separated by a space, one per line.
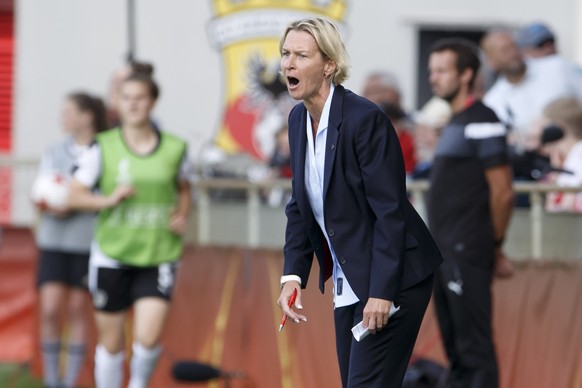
x=349 y=207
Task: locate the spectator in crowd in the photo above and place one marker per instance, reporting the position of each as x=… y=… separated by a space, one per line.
x=280 y=167
x=428 y=123
x=566 y=153
x=113 y=97
x=485 y=78
x=523 y=89
x=280 y=160
x=382 y=87
x=64 y=238
x=143 y=201
x=536 y=40
x=401 y=125
x=469 y=208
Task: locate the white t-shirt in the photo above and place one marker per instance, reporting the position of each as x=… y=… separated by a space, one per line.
x=546 y=80
x=569 y=202
x=88 y=173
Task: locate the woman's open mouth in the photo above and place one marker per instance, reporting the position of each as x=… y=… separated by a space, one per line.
x=292 y=81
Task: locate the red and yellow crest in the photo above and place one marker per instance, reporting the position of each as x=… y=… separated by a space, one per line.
x=256 y=102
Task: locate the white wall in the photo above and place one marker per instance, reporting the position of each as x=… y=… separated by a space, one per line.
x=65 y=45
x=61 y=46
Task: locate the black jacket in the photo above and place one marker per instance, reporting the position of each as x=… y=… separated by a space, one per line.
x=379 y=239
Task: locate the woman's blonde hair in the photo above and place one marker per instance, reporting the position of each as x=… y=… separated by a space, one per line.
x=328 y=39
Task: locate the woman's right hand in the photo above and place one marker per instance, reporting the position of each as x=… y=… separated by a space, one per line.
x=119 y=194
x=283 y=301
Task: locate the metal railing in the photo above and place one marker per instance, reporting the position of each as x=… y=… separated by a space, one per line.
x=536 y=192
x=253 y=203
x=417 y=190
x=23 y=171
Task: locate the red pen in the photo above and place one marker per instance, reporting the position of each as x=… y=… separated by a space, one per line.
x=291 y=302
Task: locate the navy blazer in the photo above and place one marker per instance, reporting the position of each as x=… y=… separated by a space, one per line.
x=379 y=239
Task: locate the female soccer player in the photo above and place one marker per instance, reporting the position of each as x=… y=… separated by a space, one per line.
x=143 y=202
x=64 y=240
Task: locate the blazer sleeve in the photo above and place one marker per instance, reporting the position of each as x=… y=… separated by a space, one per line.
x=382 y=169
x=298 y=250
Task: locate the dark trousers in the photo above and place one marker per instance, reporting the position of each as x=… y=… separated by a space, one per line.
x=462 y=296
x=380 y=360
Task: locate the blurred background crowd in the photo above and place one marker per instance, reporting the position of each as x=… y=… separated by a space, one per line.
x=534 y=90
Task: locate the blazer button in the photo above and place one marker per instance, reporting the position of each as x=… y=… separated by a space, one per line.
x=342 y=260
x=330 y=233
x=332 y=147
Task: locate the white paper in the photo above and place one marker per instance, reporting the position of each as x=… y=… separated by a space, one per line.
x=360 y=332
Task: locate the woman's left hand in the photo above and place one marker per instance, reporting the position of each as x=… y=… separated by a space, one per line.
x=376 y=313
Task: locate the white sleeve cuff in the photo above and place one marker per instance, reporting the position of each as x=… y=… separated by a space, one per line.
x=286 y=278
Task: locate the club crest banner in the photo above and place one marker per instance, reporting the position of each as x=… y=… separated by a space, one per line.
x=255 y=100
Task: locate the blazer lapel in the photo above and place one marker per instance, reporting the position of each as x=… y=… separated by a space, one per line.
x=300 y=153
x=333 y=126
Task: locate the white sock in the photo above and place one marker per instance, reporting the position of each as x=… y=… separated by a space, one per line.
x=108 y=368
x=50 y=360
x=143 y=362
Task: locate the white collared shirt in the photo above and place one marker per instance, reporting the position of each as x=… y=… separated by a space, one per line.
x=314 y=170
